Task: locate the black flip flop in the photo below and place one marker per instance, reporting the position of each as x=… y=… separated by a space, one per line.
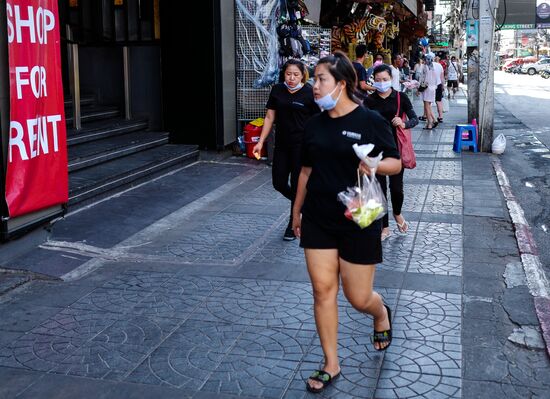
x=383 y=336
x=323 y=377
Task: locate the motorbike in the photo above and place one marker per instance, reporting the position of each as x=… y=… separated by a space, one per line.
x=545 y=73
x=516 y=69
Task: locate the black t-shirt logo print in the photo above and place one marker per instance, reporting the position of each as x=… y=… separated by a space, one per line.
x=351 y=135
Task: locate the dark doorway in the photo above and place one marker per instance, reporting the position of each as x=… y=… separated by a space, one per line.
x=189 y=71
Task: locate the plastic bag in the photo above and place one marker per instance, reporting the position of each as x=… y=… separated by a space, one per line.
x=499 y=144
x=445 y=103
x=365 y=202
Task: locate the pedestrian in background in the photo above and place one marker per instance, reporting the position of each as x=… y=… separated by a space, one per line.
x=397 y=63
x=452 y=78
x=429 y=78
x=335 y=247
x=385 y=101
x=440 y=71
x=363 y=87
x=289 y=107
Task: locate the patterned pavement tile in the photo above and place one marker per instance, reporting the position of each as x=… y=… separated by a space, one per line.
x=38 y=352
x=110 y=300
x=230 y=310
x=102 y=360
x=447 y=152
x=251 y=376
x=415 y=195
x=249 y=289
x=278 y=251
x=423 y=170
x=437 y=255
x=447 y=170
x=185 y=367
x=222 y=239
x=397 y=250
x=432 y=260
x=185 y=284
x=216 y=337
x=168 y=305
x=272 y=343
x=426 y=146
x=444 y=199
x=138 y=330
x=420 y=369
x=293 y=292
x=440 y=230
x=76 y=323
x=286 y=314
x=431 y=316
x=138 y=280
x=264 y=195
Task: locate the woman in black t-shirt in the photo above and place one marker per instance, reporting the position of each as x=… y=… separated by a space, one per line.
x=384 y=100
x=335 y=247
x=289 y=106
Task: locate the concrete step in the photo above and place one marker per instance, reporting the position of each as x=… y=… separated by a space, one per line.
x=91 y=184
x=92 y=153
x=94 y=113
x=104 y=128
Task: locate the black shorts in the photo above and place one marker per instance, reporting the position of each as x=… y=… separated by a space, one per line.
x=452 y=83
x=439 y=92
x=362 y=247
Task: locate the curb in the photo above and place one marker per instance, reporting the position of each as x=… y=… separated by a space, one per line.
x=538 y=283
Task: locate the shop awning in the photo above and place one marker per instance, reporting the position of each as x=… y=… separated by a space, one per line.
x=411 y=5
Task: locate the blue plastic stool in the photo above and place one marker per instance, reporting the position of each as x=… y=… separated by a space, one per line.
x=471 y=141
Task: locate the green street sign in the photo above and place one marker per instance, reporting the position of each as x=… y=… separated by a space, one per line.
x=517 y=26
x=442 y=44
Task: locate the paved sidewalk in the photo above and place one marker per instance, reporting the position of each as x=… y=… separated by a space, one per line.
x=184 y=288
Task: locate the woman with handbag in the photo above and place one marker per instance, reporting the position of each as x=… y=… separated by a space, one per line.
x=392 y=105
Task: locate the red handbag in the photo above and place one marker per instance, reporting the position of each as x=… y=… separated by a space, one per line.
x=404 y=141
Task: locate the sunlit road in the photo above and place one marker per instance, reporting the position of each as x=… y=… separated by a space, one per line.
x=522 y=113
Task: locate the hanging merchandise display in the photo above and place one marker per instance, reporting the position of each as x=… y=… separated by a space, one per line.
x=268 y=33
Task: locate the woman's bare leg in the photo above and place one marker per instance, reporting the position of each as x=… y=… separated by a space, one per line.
x=357 y=283
x=323 y=268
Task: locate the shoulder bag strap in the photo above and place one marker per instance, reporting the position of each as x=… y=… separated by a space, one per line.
x=398 y=103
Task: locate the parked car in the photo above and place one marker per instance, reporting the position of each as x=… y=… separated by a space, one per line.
x=510 y=64
x=536 y=67
x=515 y=62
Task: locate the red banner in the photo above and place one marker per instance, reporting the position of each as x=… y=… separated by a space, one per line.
x=37 y=174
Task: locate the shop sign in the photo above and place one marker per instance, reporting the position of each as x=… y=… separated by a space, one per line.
x=472 y=32
x=37 y=175
x=543 y=14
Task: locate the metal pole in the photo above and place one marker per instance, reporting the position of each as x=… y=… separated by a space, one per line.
x=74 y=78
x=127 y=100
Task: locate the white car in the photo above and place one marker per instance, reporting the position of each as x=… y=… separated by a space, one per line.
x=533 y=68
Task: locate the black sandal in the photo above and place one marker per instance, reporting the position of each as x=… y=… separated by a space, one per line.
x=323 y=377
x=381 y=337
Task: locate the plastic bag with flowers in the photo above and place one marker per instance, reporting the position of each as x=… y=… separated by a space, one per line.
x=365 y=202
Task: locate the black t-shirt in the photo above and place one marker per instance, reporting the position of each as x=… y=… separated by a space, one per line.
x=327 y=149
x=361 y=75
x=360 y=71
x=292 y=111
x=387 y=107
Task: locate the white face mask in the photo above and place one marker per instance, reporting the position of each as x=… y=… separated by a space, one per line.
x=382 y=87
x=295 y=88
x=327 y=102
